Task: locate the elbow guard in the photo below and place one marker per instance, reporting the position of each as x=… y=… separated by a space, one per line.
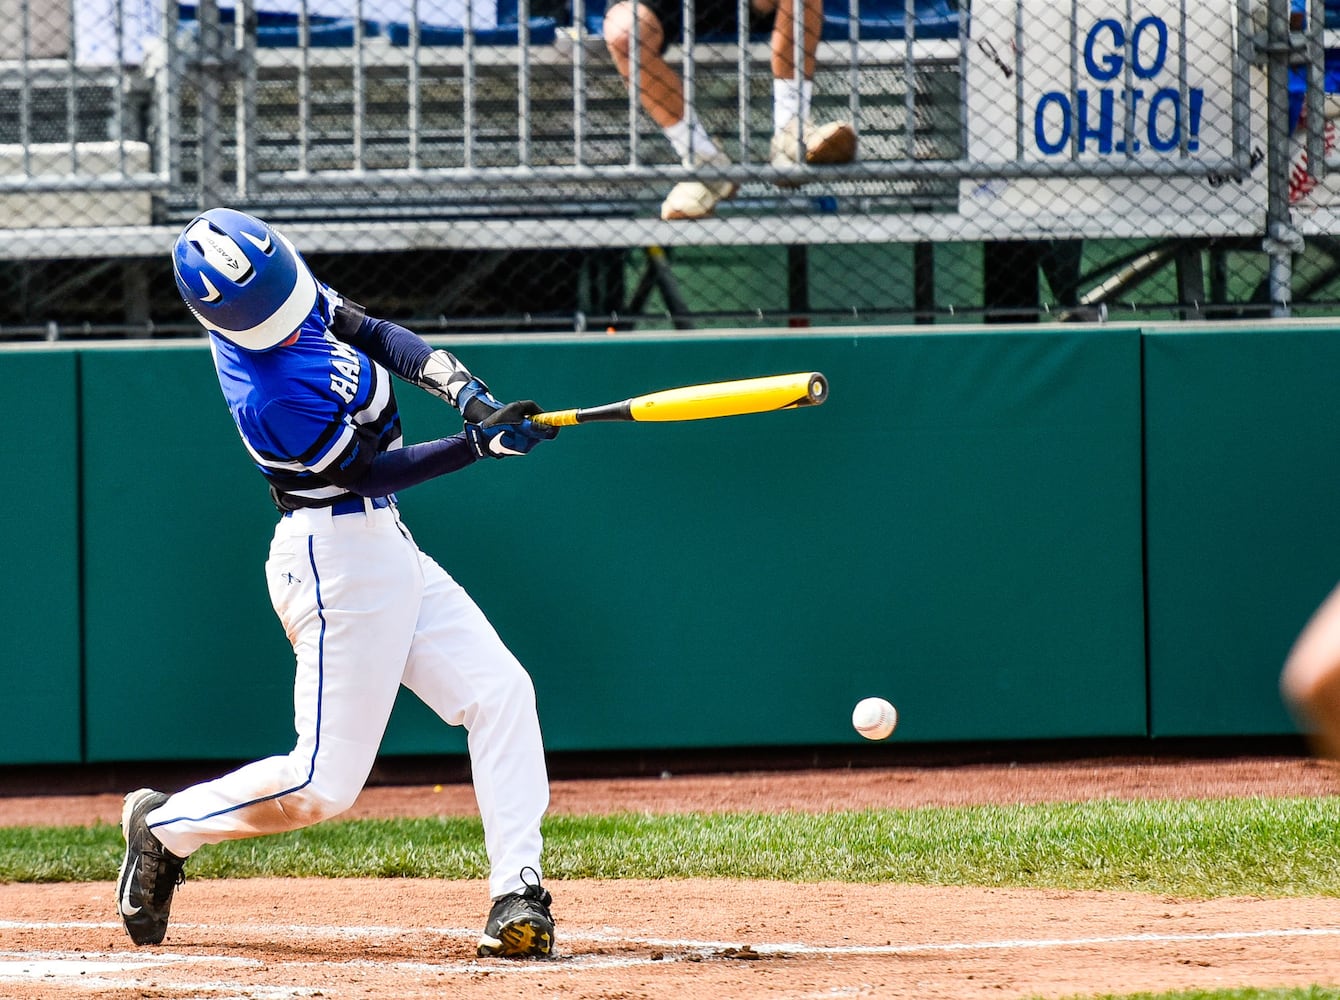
x=444 y=376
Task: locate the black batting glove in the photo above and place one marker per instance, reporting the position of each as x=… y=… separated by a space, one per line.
x=506 y=431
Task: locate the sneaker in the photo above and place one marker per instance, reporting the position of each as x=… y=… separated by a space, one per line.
x=520 y=924
x=699 y=199
x=831 y=143
x=149 y=874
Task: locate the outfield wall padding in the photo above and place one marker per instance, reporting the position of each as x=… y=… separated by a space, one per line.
x=1052 y=532
x=957 y=528
x=40 y=670
x=1243 y=517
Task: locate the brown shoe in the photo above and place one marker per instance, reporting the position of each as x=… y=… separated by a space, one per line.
x=699 y=199
x=823 y=144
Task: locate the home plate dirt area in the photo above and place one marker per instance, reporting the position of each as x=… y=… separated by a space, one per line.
x=404 y=939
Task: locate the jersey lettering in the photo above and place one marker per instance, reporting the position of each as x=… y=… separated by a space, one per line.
x=344 y=380
x=343 y=388
x=323 y=387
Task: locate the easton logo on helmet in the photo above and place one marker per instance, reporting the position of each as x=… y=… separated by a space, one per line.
x=220 y=251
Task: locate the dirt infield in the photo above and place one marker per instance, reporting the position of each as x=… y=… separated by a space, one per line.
x=406 y=939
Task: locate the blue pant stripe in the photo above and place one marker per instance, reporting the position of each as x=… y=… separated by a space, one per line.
x=320 y=684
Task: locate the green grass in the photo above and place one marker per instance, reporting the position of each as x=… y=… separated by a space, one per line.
x=1256 y=847
x=1260 y=847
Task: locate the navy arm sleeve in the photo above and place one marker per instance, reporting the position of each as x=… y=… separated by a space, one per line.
x=392 y=471
x=397 y=349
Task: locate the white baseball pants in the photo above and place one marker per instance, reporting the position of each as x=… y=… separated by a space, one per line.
x=367 y=611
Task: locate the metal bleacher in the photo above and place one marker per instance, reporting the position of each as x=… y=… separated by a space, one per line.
x=526 y=117
x=530 y=120
x=517 y=133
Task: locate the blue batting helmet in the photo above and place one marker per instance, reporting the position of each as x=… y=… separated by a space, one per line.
x=242 y=279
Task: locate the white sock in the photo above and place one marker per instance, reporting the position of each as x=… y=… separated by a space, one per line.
x=689 y=130
x=790 y=100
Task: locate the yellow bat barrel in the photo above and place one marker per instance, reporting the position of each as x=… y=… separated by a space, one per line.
x=702 y=402
x=728 y=399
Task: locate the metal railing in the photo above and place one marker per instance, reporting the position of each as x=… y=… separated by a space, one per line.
x=1003 y=121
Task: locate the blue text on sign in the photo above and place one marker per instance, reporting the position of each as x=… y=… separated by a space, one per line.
x=1090 y=118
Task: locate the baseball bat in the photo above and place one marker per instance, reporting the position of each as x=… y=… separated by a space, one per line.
x=701 y=402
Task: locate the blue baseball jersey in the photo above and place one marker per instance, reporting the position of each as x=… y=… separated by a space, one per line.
x=313 y=412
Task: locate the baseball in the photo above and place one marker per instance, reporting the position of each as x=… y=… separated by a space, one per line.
x=874 y=718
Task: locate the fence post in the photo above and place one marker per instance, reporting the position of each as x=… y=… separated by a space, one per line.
x=209 y=182
x=1282 y=241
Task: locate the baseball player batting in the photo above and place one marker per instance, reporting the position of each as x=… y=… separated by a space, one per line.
x=306 y=375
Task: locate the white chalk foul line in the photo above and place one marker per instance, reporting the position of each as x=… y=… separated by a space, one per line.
x=130 y=959
x=94 y=971
x=97 y=969
x=613 y=936
x=215 y=989
x=800 y=948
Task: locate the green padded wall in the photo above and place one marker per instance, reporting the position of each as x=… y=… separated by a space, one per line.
x=39 y=601
x=957 y=529
x=185 y=658
x=1243 y=470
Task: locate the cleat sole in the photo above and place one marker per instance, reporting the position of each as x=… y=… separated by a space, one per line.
x=523 y=939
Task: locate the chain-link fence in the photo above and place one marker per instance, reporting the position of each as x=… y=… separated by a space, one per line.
x=489 y=164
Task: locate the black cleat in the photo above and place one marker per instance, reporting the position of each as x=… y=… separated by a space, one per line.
x=149 y=874
x=520 y=924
